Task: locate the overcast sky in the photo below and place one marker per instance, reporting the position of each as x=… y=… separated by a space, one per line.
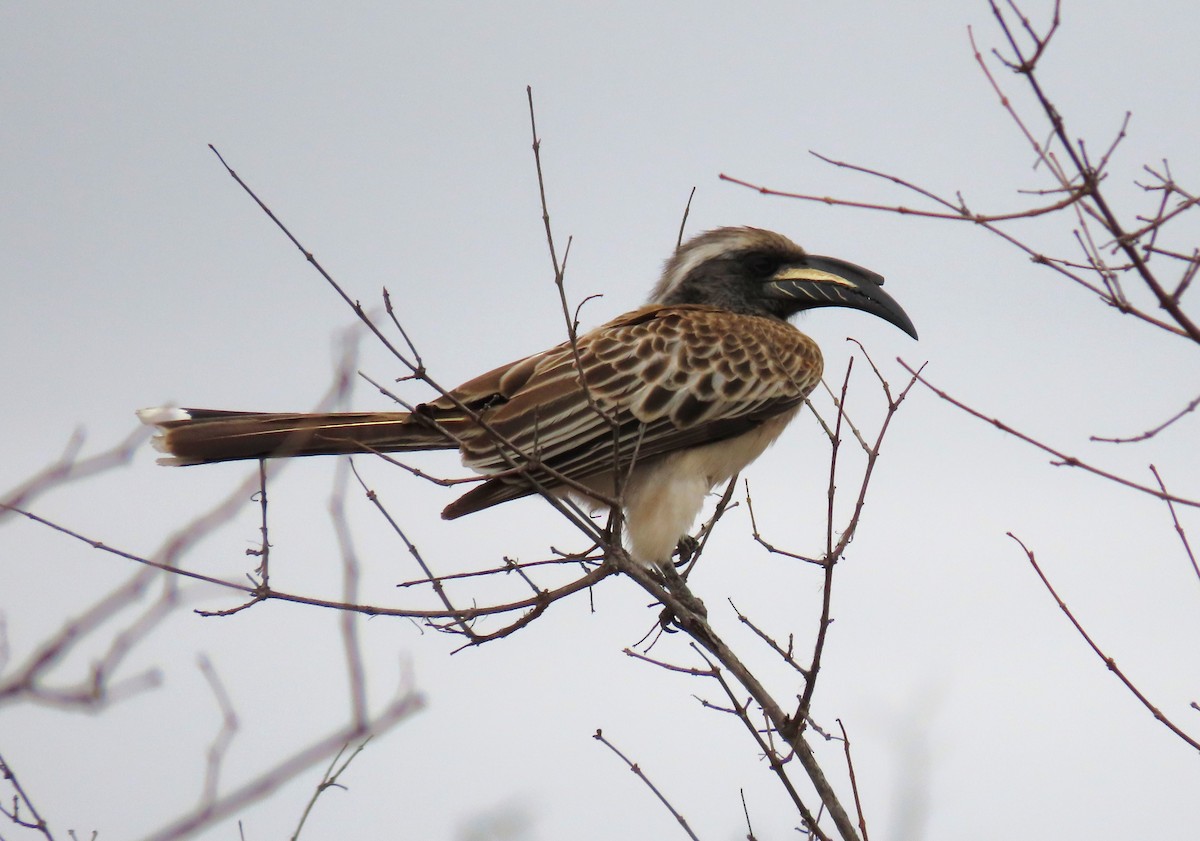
x=394 y=140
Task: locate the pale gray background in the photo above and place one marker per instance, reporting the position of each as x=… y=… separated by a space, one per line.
x=394 y=140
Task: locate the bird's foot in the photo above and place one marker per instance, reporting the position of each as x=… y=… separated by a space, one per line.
x=686 y=550
x=678 y=588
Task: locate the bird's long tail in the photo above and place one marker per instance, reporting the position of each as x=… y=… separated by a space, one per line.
x=202 y=436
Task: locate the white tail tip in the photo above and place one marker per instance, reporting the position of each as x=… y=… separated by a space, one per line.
x=156 y=416
x=162 y=414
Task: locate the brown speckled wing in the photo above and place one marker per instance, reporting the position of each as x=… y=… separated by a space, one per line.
x=658 y=379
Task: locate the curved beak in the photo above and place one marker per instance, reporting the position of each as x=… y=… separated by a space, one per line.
x=830 y=282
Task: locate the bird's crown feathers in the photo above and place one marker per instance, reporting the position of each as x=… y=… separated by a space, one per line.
x=716 y=258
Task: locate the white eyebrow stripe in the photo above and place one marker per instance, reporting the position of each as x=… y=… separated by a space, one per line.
x=698 y=254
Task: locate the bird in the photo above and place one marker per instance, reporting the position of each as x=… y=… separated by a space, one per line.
x=649 y=412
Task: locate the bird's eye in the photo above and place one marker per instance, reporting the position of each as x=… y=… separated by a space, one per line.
x=760 y=265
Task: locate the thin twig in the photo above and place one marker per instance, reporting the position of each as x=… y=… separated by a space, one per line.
x=687 y=208
x=348 y=620
x=584 y=582
x=1089 y=175
x=1183 y=538
x=329 y=780
x=763 y=542
x=698 y=628
x=636 y=769
x=961 y=214
x=1062 y=459
x=1108 y=661
x=404 y=705
x=430 y=578
x=36 y=822
x=69 y=467
x=528 y=463
x=1150 y=433
x=862 y=821
x=587 y=559
x=786 y=654
x=746 y=811
x=828 y=562
x=264 y=550
x=706 y=530
x=616 y=508
x=224 y=738
x=777 y=763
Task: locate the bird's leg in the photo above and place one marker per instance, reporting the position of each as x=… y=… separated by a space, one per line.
x=678 y=588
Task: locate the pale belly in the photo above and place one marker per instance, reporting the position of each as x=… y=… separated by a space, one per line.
x=663 y=498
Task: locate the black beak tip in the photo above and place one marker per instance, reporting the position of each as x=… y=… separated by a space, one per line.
x=885 y=306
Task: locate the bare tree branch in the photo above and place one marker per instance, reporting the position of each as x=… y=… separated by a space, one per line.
x=1108 y=661
x=636 y=769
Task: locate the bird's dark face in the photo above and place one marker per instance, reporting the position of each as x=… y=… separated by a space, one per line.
x=757 y=272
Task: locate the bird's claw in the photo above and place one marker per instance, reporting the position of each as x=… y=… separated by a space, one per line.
x=686 y=550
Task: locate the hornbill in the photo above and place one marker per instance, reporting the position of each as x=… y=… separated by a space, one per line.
x=654 y=408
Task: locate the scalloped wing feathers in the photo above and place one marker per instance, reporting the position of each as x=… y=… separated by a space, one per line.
x=659 y=379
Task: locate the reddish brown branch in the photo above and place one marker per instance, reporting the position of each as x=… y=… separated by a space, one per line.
x=960 y=213
x=1108 y=661
x=259 y=594
x=1183 y=538
x=641 y=775
x=862 y=821
x=1150 y=433
x=1088 y=174
x=786 y=654
x=1062 y=459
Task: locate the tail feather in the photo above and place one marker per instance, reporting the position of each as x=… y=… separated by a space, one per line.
x=202 y=436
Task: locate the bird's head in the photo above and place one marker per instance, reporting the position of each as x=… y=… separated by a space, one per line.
x=757 y=272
